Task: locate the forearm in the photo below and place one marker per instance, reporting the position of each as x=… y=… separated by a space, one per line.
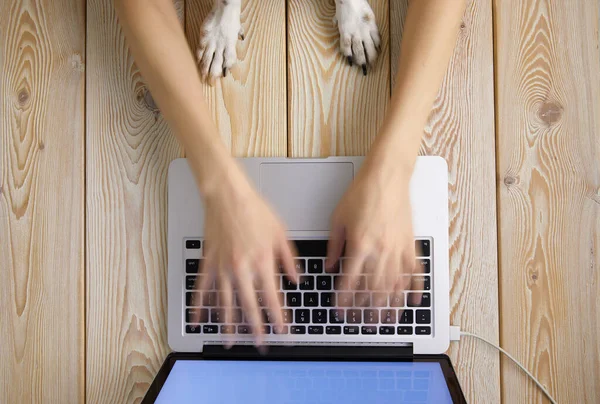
x=428 y=42
x=161 y=52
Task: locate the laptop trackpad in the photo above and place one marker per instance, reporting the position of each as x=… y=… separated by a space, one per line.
x=305 y=194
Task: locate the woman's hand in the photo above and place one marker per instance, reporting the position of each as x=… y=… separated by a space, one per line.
x=246 y=241
x=374 y=219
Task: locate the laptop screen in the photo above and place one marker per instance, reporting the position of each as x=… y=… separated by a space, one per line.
x=253 y=382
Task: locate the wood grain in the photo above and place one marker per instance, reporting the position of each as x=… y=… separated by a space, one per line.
x=42 y=51
x=461 y=129
x=128 y=150
x=333 y=108
x=548 y=83
x=249 y=105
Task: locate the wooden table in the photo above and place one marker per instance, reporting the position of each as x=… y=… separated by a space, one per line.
x=83 y=168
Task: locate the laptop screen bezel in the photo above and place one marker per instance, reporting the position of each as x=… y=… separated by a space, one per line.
x=250 y=354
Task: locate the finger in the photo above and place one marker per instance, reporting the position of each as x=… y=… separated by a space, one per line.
x=380 y=273
x=335 y=246
x=287 y=251
x=346 y=47
x=370 y=51
x=226 y=303
x=271 y=290
x=207 y=59
x=216 y=69
x=247 y=296
x=375 y=37
x=359 y=53
x=416 y=282
x=229 y=58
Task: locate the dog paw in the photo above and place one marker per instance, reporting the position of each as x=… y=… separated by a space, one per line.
x=359 y=36
x=221 y=29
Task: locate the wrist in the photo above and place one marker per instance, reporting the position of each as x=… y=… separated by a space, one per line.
x=217 y=175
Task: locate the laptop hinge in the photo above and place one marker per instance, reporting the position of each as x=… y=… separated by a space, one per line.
x=310 y=352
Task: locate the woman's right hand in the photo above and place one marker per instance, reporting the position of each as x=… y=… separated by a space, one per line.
x=246 y=244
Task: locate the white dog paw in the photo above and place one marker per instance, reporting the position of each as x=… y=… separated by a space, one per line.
x=359 y=36
x=220 y=31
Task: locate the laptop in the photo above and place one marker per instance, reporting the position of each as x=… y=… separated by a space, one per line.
x=330 y=350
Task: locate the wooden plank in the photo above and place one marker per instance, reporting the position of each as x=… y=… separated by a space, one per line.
x=461 y=129
x=548 y=81
x=333 y=108
x=42 y=65
x=249 y=105
x=128 y=150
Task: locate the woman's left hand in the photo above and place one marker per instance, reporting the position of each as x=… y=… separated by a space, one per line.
x=374 y=221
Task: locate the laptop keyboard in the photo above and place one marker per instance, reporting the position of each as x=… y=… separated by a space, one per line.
x=314 y=306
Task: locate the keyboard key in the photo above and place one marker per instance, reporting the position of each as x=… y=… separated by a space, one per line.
x=425 y=300
x=193 y=329
x=388 y=316
x=368 y=330
x=351 y=329
x=268 y=316
x=210 y=329
x=281 y=330
x=417 y=281
x=319 y=316
x=386 y=330
x=217 y=315
x=423 y=248
x=192 y=315
x=192 y=244
x=345 y=299
x=315 y=267
x=380 y=299
x=423 y=316
x=327 y=299
x=360 y=283
x=423 y=330
x=298 y=329
x=267 y=329
x=294 y=299
x=397 y=300
x=338 y=283
x=353 y=316
x=405 y=330
x=236 y=316
x=423 y=266
x=302 y=316
x=300 y=266
x=192 y=266
x=324 y=282
x=371 y=316
x=193 y=299
x=209 y=299
x=288 y=316
x=307 y=283
x=190 y=282
x=288 y=284
x=362 y=299
x=261 y=299
x=335 y=269
x=228 y=329
x=311 y=299
x=333 y=329
x=405 y=317
x=315 y=329
x=243 y=329
x=336 y=316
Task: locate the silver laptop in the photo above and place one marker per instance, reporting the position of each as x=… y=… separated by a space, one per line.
x=304 y=192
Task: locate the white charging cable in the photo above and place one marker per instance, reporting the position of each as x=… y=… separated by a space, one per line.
x=456 y=333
